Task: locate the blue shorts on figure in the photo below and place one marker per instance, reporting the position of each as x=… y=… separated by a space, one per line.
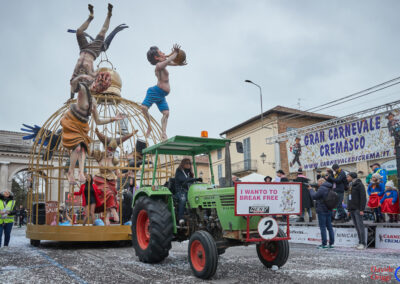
x=156 y=95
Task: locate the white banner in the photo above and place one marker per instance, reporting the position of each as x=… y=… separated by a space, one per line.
x=366 y=139
x=387 y=238
x=344 y=237
x=347 y=237
x=389 y=165
x=267 y=198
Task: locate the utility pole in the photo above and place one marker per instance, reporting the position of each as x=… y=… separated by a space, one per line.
x=261 y=102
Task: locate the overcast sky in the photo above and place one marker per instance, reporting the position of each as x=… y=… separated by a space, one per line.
x=313 y=50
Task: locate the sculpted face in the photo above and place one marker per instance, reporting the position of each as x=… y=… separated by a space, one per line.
x=161 y=56
x=102 y=82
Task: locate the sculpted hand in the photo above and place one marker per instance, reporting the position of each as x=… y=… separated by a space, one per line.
x=176 y=48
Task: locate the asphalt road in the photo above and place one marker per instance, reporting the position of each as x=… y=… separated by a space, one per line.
x=111 y=263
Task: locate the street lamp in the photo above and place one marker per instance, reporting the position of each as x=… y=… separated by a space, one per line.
x=251 y=82
x=263 y=157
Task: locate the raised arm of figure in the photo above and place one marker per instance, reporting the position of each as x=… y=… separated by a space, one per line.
x=168 y=61
x=106 y=120
x=174 y=64
x=165 y=63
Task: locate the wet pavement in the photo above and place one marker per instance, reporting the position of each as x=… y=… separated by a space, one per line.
x=116 y=263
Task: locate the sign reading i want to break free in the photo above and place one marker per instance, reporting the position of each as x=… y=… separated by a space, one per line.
x=361 y=140
x=259 y=198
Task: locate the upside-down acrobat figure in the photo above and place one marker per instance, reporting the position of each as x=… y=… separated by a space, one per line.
x=84 y=81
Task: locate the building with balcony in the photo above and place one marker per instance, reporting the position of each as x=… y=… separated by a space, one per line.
x=257 y=156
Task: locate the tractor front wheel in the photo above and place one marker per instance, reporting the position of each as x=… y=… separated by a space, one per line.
x=203 y=254
x=151 y=229
x=274 y=252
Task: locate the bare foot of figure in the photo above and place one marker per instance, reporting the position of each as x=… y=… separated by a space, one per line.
x=110 y=7
x=115 y=215
x=164 y=136
x=71 y=178
x=90 y=7
x=107 y=219
x=82 y=178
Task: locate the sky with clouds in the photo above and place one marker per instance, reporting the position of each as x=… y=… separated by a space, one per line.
x=313 y=50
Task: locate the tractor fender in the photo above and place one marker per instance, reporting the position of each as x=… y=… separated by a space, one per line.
x=150 y=191
x=157 y=193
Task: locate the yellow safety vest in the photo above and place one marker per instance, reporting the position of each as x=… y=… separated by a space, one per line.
x=10 y=206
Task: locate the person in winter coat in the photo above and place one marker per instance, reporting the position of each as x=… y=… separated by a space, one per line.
x=90 y=198
x=306 y=200
x=63 y=215
x=390 y=202
x=338 y=179
x=280 y=176
x=356 y=206
x=323 y=213
x=375 y=192
x=21 y=215
x=268 y=179
x=131 y=185
x=183 y=177
x=7 y=212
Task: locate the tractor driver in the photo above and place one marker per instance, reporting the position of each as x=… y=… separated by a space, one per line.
x=183 y=177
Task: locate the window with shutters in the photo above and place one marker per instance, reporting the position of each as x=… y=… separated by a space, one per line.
x=219 y=171
x=219 y=154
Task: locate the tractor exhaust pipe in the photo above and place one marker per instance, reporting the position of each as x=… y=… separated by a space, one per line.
x=228 y=166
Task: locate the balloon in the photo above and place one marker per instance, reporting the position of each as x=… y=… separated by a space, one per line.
x=98 y=222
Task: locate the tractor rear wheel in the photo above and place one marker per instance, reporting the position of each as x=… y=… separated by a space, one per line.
x=274 y=252
x=203 y=254
x=151 y=229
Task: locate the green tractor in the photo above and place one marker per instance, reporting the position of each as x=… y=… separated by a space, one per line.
x=211 y=225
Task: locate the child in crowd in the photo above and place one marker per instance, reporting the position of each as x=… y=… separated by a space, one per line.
x=390 y=202
x=375 y=191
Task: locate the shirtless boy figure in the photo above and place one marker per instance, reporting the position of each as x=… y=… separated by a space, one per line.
x=158 y=93
x=84 y=70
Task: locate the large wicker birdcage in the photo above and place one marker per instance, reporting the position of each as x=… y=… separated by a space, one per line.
x=49 y=164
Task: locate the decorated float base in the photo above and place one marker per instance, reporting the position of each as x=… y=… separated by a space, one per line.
x=78 y=233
